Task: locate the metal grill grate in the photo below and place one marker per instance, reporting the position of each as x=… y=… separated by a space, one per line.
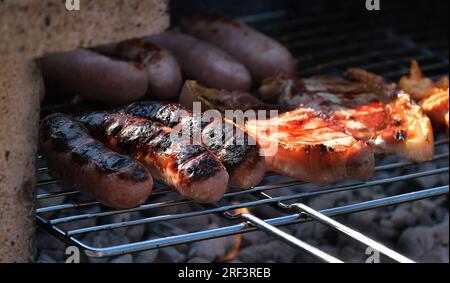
x=383 y=47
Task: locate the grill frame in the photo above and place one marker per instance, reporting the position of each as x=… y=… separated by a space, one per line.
x=376 y=60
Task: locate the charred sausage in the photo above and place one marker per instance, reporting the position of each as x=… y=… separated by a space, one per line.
x=244 y=164
x=190 y=169
x=116 y=180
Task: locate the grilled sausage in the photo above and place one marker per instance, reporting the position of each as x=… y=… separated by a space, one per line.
x=190 y=169
x=204 y=62
x=94 y=76
x=242 y=160
x=164 y=73
x=263 y=56
x=116 y=180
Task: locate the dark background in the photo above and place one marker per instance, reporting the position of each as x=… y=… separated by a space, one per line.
x=310 y=27
x=433 y=8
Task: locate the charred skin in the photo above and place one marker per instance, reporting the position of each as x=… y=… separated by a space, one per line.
x=241 y=158
x=190 y=169
x=116 y=180
x=312 y=147
x=164 y=73
x=220 y=99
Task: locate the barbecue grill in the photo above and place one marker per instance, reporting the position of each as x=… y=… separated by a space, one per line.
x=380 y=41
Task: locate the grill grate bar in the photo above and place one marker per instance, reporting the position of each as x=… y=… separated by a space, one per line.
x=351 y=49
x=424 y=68
x=223 y=209
x=270 y=174
x=256 y=189
x=350 y=232
x=358 y=27
x=239 y=228
x=293 y=241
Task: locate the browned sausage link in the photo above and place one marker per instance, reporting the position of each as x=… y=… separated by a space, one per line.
x=94 y=77
x=116 y=180
x=164 y=73
x=190 y=169
x=204 y=61
x=242 y=160
x=262 y=55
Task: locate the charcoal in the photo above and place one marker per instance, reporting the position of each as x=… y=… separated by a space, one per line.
x=146 y=257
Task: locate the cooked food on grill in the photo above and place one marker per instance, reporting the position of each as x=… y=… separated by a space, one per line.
x=420 y=87
x=116 y=180
x=433 y=97
x=447 y=122
x=204 y=61
x=304 y=143
x=369 y=108
x=436 y=107
x=243 y=162
x=190 y=169
x=94 y=76
x=312 y=147
x=164 y=73
x=220 y=99
x=262 y=55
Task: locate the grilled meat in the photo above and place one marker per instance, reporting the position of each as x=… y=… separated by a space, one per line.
x=242 y=160
x=94 y=77
x=116 y=180
x=262 y=55
x=420 y=87
x=190 y=169
x=312 y=147
x=436 y=107
x=369 y=108
x=432 y=96
x=304 y=143
x=204 y=61
x=163 y=72
x=221 y=100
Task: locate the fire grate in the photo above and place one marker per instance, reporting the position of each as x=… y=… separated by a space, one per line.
x=384 y=47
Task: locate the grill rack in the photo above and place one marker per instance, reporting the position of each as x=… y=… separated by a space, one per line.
x=384 y=51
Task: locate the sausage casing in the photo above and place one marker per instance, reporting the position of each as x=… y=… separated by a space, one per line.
x=116 y=180
x=204 y=61
x=190 y=169
x=263 y=56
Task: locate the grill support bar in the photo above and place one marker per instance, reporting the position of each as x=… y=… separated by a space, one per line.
x=350 y=232
x=236 y=229
x=293 y=241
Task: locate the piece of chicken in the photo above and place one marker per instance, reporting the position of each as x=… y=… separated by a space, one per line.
x=420 y=87
x=436 y=107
